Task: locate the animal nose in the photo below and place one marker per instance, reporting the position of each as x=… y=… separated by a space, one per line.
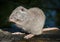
x=11 y=22
x=9 y=19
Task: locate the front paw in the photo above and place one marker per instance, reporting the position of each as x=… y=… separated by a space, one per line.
x=17 y=33
x=29 y=36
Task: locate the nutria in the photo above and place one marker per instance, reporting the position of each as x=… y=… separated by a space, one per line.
x=31 y=20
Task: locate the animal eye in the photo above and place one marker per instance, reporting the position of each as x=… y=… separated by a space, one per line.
x=22 y=9
x=17 y=19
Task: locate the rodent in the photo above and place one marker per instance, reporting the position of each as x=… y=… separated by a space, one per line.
x=31 y=20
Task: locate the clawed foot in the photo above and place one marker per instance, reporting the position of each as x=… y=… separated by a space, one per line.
x=26 y=37
x=29 y=36
x=18 y=33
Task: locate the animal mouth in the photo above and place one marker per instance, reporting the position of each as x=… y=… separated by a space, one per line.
x=12 y=21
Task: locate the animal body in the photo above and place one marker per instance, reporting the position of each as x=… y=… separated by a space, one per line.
x=31 y=20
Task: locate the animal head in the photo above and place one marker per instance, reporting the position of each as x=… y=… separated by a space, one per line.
x=19 y=15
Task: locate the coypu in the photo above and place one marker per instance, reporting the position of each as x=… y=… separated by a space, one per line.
x=31 y=20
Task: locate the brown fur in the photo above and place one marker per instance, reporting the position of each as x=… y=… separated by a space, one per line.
x=31 y=20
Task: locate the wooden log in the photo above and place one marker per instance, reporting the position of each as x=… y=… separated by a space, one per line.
x=50 y=36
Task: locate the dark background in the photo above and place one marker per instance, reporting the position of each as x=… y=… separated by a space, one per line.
x=51 y=9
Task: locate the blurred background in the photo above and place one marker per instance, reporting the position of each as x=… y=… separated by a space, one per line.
x=51 y=9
